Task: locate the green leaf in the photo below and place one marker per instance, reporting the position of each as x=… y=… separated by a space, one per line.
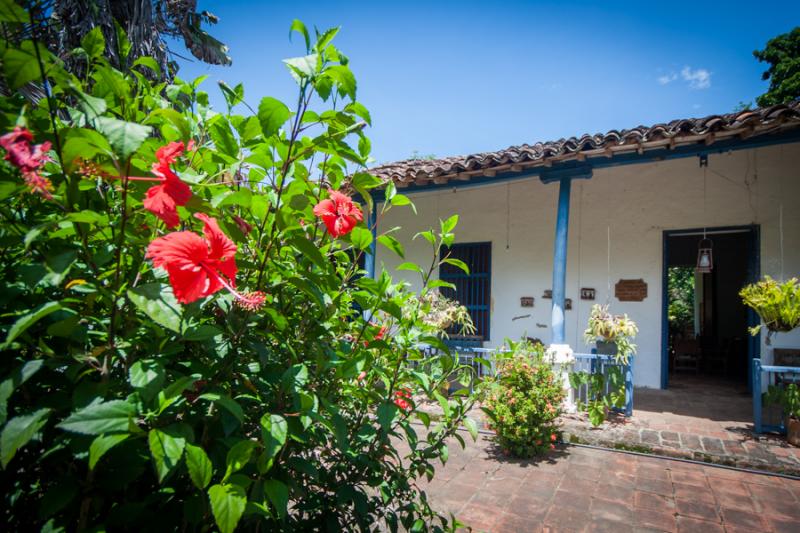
x=125 y=137
x=361 y=238
x=302 y=67
x=225 y=401
x=472 y=427
x=458 y=263
x=300 y=28
x=157 y=301
x=274 y=430
x=400 y=200
x=20 y=65
x=220 y=132
x=83 y=143
x=100 y=417
x=101 y=444
x=410 y=266
x=166 y=448
x=427 y=235
x=238 y=456
x=93 y=43
x=149 y=62
x=272 y=114
x=199 y=466
x=449 y=224
x=19 y=431
x=386 y=412
x=393 y=244
x=147 y=376
x=20 y=375
x=10 y=11
x=343 y=78
x=227 y=503
x=278 y=495
x=26 y=321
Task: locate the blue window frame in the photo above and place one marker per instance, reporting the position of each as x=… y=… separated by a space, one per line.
x=473 y=290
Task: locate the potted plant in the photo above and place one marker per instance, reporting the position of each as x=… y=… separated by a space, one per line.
x=613 y=334
x=777 y=304
x=788 y=398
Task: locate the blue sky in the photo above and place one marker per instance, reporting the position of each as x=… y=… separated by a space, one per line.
x=451 y=78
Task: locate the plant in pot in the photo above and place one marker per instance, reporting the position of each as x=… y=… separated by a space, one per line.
x=777 y=304
x=613 y=334
x=788 y=398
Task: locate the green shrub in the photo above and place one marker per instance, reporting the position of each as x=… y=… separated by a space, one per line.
x=523 y=402
x=188 y=342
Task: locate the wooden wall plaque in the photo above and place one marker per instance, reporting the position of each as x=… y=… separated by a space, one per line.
x=630 y=290
x=526 y=301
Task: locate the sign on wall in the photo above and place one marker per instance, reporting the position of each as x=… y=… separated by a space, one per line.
x=630 y=290
x=526 y=301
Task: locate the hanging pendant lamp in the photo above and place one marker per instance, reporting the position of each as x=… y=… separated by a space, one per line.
x=705 y=255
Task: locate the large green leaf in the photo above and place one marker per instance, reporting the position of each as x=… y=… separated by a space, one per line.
x=238 y=456
x=272 y=114
x=274 y=431
x=227 y=503
x=303 y=67
x=220 y=131
x=361 y=238
x=199 y=466
x=393 y=244
x=125 y=137
x=101 y=444
x=83 y=143
x=146 y=376
x=93 y=43
x=100 y=417
x=10 y=11
x=278 y=495
x=21 y=66
x=157 y=301
x=19 y=376
x=166 y=449
x=27 y=320
x=344 y=78
x=19 y=431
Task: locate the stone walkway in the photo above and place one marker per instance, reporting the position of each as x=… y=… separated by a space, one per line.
x=582 y=489
x=706 y=421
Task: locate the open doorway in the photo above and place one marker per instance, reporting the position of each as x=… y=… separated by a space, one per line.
x=705 y=338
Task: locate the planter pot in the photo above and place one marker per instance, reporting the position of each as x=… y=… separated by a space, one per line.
x=607 y=348
x=793 y=431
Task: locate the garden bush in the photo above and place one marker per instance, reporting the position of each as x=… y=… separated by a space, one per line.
x=188 y=340
x=523 y=402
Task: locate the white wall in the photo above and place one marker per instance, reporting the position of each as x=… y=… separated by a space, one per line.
x=638 y=203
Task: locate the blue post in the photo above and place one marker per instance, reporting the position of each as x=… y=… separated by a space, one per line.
x=757 y=395
x=369 y=259
x=629 y=388
x=560 y=262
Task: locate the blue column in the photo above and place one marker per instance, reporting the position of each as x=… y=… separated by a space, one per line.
x=369 y=259
x=560 y=262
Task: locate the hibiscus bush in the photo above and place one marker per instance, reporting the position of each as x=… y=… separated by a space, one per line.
x=189 y=338
x=523 y=402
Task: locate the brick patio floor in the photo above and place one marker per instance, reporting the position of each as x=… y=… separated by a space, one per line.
x=582 y=489
x=702 y=420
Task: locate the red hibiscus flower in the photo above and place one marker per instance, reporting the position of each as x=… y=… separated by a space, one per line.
x=199 y=267
x=163 y=200
x=339 y=213
x=28 y=159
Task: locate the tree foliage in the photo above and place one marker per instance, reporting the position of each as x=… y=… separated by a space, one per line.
x=782 y=53
x=122 y=408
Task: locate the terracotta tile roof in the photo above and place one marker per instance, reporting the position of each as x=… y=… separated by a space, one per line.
x=677 y=133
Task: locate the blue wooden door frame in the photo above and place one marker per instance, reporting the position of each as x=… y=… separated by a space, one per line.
x=753 y=274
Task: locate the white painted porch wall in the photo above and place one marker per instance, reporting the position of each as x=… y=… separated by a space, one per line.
x=638 y=202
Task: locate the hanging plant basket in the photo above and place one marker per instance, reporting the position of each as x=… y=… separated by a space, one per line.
x=777 y=304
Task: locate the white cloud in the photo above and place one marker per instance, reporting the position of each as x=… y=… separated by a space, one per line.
x=667 y=78
x=698 y=78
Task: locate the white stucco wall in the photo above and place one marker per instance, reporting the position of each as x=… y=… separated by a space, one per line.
x=638 y=202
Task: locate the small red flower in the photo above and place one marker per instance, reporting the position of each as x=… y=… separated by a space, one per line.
x=198 y=266
x=381 y=333
x=28 y=159
x=339 y=213
x=163 y=200
x=553 y=437
x=361 y=375
x=402 y=404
